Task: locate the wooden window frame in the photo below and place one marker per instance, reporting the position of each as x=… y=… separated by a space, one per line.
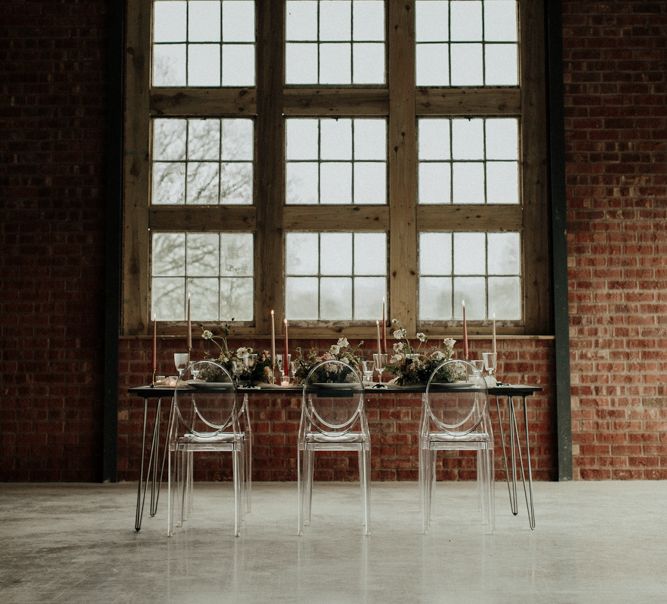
x=402 y=103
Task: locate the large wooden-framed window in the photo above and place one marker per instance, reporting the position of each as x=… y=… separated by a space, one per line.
x=398 y=146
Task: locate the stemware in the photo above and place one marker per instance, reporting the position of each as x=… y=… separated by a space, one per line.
x=368 y=366
x=380 y=363
x=181 y=361
x=490 y=359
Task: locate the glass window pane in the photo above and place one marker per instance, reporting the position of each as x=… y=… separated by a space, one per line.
x=203 y=139
x=500 y=22
x=434 y=183
x=435 y=299
x=301 y=21
x=368 y=294
x=472 y=290
x=301 y=63
x=168 y=254
x=502 y=182
x=504 y=249
x=336 y=139
x=468 y=184
x=335 y=298
x=435 y=254
x=301 y=298
x=302 y=183
x=204 y=65
x=237 y=139
x=336 y=184
x=236 y=254
x=336 y=253
x=302 y=136
x=168 y=298
x=502 y=139
x=368 y=21
x=204 y=298
x=335 y=20
x=238 y=21
x=169 y=21
x=335 y=65
x=301 y=253
x=467 y=65
x=203 y=250
x=502 y=67
x=370 y=183
x=238 y=65
x=168 y=183
x=236 y=299
x=370 y=254
x=432 y=21
x=203 y=22
x=370 y=139
x=432 y=65
x=468 y=139
x=169 y=138
x=469 y=253
x=434 y=139
x=466 y=16
x=236 y=184
x=368 y=63
x=202 y=180
x=505 y=298
x=169 y=65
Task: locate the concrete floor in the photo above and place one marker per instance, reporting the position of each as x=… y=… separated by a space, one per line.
x=594 y=542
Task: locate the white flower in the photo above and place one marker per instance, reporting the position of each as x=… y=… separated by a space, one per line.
x=207 y=335
x=241 y=352
x=334 y=349
x=399 y=346
x=400 y=334
x=343 y=343
x=421 y=337
x=439 y=355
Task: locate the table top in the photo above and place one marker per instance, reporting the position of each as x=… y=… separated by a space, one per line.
x=149 y=391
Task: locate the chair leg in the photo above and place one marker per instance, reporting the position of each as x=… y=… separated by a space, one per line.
x=170 y=495
x=248 y=473
x=309 y=456
x=364 y=479
x=237 y=491
x=299 y=490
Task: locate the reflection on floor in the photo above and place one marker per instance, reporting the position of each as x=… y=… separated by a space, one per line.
x=594 y=542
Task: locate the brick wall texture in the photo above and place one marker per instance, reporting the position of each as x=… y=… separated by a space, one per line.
x=53 y=111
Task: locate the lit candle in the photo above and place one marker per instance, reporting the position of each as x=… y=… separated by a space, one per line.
x=286 y=357
x=465 y=331
x=154 y=346
x=273 y=340
x=384 y=326
x=494 y=333
x=189 y=327
x=377 y=326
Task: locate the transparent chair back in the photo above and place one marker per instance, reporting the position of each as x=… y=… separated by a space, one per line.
x=333 y=418
x=207 y=417
x=455 y=417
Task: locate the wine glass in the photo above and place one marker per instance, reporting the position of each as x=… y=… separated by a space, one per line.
x=380 y=363
x=368 y=367
x=490 y=359
x=181 y=361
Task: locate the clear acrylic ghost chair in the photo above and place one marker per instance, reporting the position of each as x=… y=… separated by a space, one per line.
x=208 y=417
x=333 y=418
x=455 y=417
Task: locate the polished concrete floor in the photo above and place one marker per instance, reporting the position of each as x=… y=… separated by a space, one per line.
x=594 y=542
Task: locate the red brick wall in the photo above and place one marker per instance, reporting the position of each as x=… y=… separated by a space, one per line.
x=615 y=70
x=393 y=420
x=51 y=265
x=52 y=115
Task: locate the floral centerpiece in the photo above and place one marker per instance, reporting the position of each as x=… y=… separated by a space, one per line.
x=246 y=365
x=334 y=373
x=415 y=365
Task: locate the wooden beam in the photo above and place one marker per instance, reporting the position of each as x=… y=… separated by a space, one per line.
x=205 y=102
x=336 y=101
x=403 y=280
x=468 y=101
x=469 y=218
x=336 y=218
x=202 y=218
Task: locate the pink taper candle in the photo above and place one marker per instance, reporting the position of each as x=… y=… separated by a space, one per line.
x=377 y=326
x=273 y=340
x=286 y=357
x=494 y=334
x=189 y=327
x=465 y=331
x=154 y=345
x=384 y=327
